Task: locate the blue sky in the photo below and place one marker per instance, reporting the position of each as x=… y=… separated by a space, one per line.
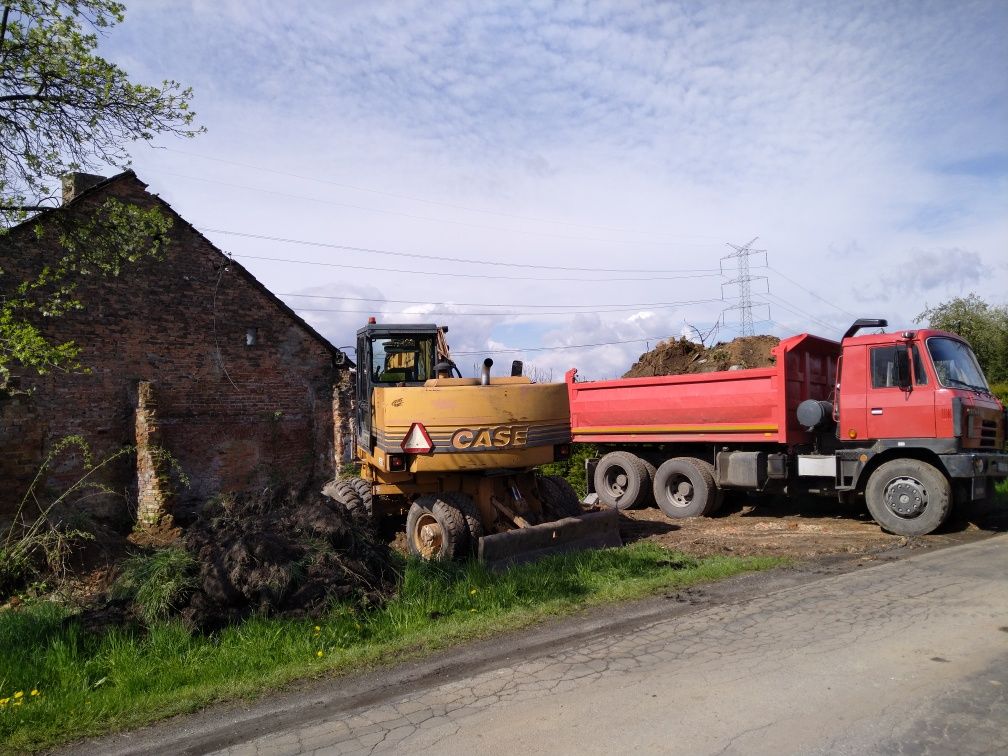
x=866 y=145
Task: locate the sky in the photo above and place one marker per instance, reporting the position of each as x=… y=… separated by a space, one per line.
x=561 y=182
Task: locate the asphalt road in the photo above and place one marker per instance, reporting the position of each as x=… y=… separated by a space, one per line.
x=908 y=655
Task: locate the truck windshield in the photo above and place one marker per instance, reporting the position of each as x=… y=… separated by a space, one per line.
x=955 y=364
x=399 y=359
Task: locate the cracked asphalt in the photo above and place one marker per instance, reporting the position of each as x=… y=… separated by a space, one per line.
x=905 y=656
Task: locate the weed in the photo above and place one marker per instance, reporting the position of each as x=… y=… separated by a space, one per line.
x=158 y=582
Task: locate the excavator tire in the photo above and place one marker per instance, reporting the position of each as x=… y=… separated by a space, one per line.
x=343 y=491
x=363 y=489
x=559 y=499
x=474 y=523
x=436 y=530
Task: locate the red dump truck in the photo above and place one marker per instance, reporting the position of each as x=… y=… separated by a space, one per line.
x=905 y=419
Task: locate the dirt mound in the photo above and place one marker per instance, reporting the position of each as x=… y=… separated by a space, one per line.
x=279 y=554
x=685 y=356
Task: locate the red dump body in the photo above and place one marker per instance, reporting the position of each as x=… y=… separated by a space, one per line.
x=739 y=406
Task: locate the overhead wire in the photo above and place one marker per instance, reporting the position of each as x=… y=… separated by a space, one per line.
x=381 y=300
x=809 y=291
x=512 y=313
x=413 y=198
x=401 y=214
x=468 y=275
x=444 y=258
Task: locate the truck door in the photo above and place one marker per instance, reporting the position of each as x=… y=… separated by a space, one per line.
x=900 y=399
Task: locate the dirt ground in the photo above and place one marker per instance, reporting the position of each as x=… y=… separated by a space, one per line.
x=799 y=529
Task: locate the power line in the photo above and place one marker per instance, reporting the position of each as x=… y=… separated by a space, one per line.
x=401 y=214
x=562 y=348
x=466 y=275
x=381 y=300
x=441 y=258
x=455 y=313
x=413 y=198
x=821 y=299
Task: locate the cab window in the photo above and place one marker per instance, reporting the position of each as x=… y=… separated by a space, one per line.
x=401 y=359
x=887 y=365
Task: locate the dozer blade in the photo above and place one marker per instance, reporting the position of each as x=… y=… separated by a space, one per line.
x=592 y=530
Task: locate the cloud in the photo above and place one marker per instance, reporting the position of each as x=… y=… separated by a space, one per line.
x=862 y=143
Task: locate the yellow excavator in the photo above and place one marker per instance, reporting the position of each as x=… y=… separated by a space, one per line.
x=458 y=455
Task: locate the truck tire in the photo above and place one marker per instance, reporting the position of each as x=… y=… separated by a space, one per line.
x=684 y=487
x=717 y=499
x=558 y=498
x=465 y=504
x=345 y=492
x=908 y=497
x=621 y=480
x=436 y=531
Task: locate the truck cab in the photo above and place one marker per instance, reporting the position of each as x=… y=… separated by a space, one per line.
x=918 y=400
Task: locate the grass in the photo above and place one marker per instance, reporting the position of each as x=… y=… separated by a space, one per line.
x=88 y=683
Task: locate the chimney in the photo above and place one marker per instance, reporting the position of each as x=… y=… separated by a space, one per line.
x=74 y=184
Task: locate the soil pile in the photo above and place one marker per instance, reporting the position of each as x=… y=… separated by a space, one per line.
x=282 y=555
x=684 y=356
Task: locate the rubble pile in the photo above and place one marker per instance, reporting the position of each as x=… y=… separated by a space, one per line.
x=279 y=554
x=682 y=356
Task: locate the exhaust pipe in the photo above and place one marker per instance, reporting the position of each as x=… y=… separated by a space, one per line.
x=485 y=373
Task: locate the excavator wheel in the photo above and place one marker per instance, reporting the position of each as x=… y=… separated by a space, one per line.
x=558 y=498
x=465 y=504
x=343 y=491
x=363 y=489
x=436 y=530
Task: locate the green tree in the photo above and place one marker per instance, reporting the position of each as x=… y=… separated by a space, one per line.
x=983 y=325
x=64 y=108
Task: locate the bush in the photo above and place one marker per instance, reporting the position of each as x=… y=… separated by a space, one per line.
x=573 y=469
x=158 y=582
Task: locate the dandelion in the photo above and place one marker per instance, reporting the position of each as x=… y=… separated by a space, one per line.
x=319 y=653
x=473 y=592
x=35 y=692
x=317 y=629
x=19 y=694
x=4 y=701
x=19 y=702
x=472 y=610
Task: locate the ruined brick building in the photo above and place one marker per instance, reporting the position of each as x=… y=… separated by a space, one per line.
x=189 y=353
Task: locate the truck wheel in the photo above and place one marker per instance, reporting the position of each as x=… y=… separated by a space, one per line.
x=345 y=492
x=621 y=480
x=558 y=498
x=908 y=497
x=465 y=504
x=717 y=498
x=684 y=487
x=436 y=530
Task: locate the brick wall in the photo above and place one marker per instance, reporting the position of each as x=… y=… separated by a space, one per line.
x=234 y=416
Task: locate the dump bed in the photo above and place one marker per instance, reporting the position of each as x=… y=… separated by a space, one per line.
x=754 y=406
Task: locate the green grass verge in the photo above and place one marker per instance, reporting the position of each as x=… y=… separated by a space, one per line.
x=89 y=684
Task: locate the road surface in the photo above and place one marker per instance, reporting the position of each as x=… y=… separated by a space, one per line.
x=905 y=656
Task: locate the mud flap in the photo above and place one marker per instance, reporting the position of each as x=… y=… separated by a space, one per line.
x=592 y=530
